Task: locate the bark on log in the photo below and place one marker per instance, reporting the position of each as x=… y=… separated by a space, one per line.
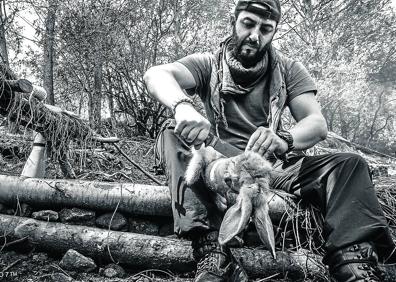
x=146 y=251
x=137 y=199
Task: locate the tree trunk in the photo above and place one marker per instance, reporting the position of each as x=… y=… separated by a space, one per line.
x=144 y=251
x=49 y=36
x=3 y=42
x=138 y=199
x=110 y=100
x=95 y=101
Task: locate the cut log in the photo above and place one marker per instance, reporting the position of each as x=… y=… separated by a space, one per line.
x=135 y=199
x=144 y=251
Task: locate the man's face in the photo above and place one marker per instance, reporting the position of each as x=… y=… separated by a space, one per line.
x=252 y=36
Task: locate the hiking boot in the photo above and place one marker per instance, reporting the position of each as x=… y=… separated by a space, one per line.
x=355 y=263
x=215 y=263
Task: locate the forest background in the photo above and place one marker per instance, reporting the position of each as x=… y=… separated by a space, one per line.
x=90 y=56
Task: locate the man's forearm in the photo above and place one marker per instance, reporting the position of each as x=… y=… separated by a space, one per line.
x=162 y=86
x=309 y=131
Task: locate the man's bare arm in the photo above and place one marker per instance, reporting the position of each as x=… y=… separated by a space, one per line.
x=311 y=126
x=166 y=83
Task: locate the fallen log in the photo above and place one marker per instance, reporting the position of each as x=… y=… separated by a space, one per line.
x=136 y=199
x=144 y=251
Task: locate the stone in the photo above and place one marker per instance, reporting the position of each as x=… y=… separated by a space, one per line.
x=61 y=277
x=75 y=261
x=46 y=215
x=113 y=271
x=77 y=216
x=119 y=222
x=40 y=257
x=143 y=226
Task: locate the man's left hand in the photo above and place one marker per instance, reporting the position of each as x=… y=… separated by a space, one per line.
x=265 y=142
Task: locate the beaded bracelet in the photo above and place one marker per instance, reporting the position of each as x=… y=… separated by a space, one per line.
x=184 y=100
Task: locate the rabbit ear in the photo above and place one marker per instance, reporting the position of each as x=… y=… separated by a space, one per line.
x=236 y=218
x=264 y=227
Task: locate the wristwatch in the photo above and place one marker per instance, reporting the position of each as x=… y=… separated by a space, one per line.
x=286 y=136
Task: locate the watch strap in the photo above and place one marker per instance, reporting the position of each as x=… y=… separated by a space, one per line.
x=288 y=138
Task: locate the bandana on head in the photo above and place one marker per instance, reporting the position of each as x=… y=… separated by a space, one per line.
x=269 y=9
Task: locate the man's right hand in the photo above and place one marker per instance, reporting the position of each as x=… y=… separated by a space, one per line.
x=191 y=126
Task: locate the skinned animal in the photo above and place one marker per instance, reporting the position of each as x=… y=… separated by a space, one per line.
x=241 y=184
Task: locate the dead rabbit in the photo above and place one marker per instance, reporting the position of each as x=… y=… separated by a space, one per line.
x=241 y=182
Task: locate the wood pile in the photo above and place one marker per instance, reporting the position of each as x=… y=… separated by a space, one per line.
x=130 y=224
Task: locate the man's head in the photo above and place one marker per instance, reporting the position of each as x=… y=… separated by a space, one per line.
x=254 y=26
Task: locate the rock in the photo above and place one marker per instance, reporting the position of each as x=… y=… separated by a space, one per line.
x=26 y=210
x=46 y=215
x=119 y=222
x=143 y=226
x=75 y=261
x=77 y=216
x=61 y=277
x=113 y=270
x=40 y=257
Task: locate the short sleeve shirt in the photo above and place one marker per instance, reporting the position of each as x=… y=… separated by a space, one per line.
x=244 y=113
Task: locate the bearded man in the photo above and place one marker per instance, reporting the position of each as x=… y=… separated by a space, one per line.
x=245 y=87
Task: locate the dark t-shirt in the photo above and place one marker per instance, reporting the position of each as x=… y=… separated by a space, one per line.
x=244 y=113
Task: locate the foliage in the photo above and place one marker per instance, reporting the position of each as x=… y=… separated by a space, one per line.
x=348 y=47
x=104 y=47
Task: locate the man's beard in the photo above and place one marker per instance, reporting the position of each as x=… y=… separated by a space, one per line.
x=247 y=61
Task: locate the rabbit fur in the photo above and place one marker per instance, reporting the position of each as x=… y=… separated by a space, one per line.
x=242 y=184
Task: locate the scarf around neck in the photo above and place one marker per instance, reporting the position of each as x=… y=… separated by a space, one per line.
x=241 y=75
x=222 y=82
x=237 y=79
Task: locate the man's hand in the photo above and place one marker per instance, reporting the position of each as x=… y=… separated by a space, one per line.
x=265 y=142
x=191 y=126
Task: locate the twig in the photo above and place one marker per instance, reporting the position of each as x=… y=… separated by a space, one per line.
x=144 y=272
x=138 y=166
x=10 y=265
x=267 y=278
x=15 y=242
x=60 y=268
x=111 y=221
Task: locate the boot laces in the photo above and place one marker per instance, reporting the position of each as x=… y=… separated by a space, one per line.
x=211 y=262
x=372 y=272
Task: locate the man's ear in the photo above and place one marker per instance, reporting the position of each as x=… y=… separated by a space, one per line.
x=232 y=20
